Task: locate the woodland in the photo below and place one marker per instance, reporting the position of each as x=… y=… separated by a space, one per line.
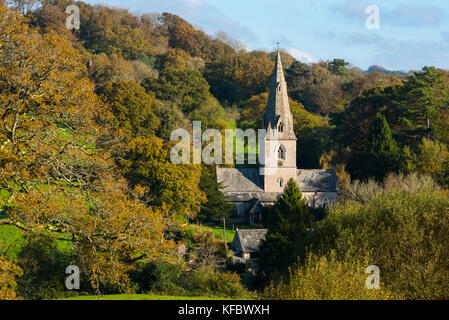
x=86 y=177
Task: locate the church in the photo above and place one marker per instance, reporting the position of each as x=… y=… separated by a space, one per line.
x=250 y=189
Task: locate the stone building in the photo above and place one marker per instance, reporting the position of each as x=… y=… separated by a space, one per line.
x=252 y=188
x=247 y=241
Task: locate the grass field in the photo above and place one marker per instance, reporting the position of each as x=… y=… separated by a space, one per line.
x=142 y=297
x=218 y=231
x=230 y=230
x=11 y=240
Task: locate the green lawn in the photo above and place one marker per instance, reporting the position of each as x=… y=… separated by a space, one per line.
x=218 y=231
x=141 y=297
x=11 y=240
x=230 y=230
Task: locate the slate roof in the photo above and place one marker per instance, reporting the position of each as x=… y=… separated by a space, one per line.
x=245 y=184
x=240 y=179
x=317 y=180
x=248 y=240
x=247 y=196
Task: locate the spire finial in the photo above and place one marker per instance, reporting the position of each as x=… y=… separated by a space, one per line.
x=277 y=45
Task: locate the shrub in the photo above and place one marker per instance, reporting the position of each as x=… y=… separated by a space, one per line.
x=8 y=282
x=162 y=277
x=404 y=229
x=207 y=281
x=43 y=266
x=322 y=278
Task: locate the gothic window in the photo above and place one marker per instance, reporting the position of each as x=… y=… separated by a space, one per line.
x=280 y=183
x=281 y=127
x=281 y=152
x=279 y=86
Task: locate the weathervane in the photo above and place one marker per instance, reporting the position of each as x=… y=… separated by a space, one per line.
x=277 y=45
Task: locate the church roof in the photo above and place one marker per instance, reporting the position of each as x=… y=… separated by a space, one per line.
x=248 y=240
x=245 y=184
x=317 y=180
x=278 y=108
x=240 y=179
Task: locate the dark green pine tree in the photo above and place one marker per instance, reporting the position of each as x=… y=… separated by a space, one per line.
x=287 y=222
x=384 y=156
x=216 y=207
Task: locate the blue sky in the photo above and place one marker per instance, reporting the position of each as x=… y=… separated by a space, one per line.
x=412 y=34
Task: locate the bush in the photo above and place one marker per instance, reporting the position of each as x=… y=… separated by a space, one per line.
x=43 y=266
x=322 y=278
x=403 y=229
x=8 y=282
x=209 y=282
x=161 y=277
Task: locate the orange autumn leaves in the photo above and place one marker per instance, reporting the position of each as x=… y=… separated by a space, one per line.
x=59 y=155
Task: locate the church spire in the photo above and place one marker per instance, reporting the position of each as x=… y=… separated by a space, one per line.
x=278 y=117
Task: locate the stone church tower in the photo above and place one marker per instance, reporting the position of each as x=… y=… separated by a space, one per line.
x=279 y=148
x=252 y=188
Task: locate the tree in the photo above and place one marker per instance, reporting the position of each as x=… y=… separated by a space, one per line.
x=210 y=113
x=253 y=110
x=220 y=76
x=176 y=82
x=253 y=75
x=182 y=35
x=316 y=87
x=432 y=159
x=108 y=30
x=216 y=205
x=422 y=105
x=383 y=153
x=339 y=67
x=296 y=76
x=323 y=278
x=401 y=226
x=55 y=159
x=146 y=163
x=133 y=108
x=8 y=282
x=287 y=222
x=23 y=6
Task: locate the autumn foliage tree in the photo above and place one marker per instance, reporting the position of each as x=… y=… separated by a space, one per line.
x=55 y=162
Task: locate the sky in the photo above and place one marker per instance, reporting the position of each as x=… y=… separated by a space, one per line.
x=411 y=34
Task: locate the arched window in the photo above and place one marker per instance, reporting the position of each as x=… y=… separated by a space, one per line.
x=281 y=183
x=281 y=127
x=281 y=152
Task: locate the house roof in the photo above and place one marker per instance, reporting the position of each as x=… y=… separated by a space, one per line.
x=248 y=240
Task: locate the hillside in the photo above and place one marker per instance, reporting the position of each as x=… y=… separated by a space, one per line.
x=87 y=177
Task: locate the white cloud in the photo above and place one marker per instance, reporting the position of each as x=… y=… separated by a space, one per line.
x=302 y=56
x=196 y=2
x=402 y=15
x=197 y=12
